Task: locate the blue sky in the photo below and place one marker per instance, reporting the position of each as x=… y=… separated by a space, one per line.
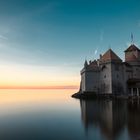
x=59 y=34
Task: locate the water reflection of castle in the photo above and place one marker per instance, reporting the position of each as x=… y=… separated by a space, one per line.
x=112 y=117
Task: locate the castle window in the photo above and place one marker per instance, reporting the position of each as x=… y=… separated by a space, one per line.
x=117 y=76
x=104 y=76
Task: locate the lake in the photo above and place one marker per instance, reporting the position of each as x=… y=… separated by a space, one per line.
x=54 y=115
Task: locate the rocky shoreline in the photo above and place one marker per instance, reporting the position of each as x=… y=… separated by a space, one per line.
x=91 y=95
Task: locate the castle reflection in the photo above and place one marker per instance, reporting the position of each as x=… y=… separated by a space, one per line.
x=112 y=118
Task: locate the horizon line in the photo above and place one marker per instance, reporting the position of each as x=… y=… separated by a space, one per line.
x=39 y=87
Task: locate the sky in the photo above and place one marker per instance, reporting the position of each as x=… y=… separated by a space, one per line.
x=44 y=43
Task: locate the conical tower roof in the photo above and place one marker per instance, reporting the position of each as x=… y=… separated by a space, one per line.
x=110 y=56
x=132 y=47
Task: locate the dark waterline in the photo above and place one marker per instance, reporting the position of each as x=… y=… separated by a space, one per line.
x=47 y=115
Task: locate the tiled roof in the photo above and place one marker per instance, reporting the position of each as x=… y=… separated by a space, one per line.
x=131 y=57
x=132 y=47
x=110 y=55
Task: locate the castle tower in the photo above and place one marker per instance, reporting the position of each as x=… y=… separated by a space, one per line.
x=132 y=57
x=89 y=77
x=111 y=75
x=132 y=54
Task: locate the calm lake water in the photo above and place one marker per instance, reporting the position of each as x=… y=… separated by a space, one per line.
x=54 y=115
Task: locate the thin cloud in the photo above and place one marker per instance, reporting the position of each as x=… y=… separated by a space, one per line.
x=3 y=37
x=95 y=52
x=101 y=38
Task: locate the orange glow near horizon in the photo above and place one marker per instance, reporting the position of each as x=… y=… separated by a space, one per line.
x=36 y=77
x=37 y=87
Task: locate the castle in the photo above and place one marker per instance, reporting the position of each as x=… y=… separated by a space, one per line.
x=110 y=75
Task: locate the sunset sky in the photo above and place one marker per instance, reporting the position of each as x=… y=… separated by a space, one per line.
x=43 y=43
